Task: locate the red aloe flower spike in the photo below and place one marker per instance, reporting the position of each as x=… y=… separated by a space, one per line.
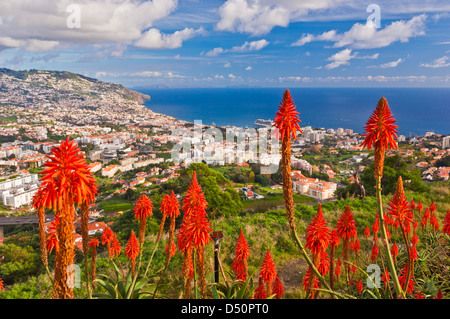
x=317 y=241
x=346 y=229
x=169 y=208
x=337 y=272
x=402 y=278
x=439 y=295
x=432 y=207
x=308 y=280
x=426 y=214
x=334 y=242
x=376 y=227
x=194 y=231
x=394 y=251
x=318 y=234
x=380 y=133
x=242 y=254
x=278 y=287
x=334 y=239
x=268 y=272
x=107 y=238
x=414 y=239
x=419 y=295
x=115 y=247
x=356 y=247
x=414 y=253
x=287 y=120
x=143 y=209
x=359 y=286
x=132 y=251
x=413 y=204
x=446 y=228
x=434 y=222
x=398 y=206
x=367 y=232
x=260 y=291
x=375 y=251
x=385 y=278
x=420 y=207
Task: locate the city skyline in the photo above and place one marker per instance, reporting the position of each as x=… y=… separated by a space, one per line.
x=260 y=43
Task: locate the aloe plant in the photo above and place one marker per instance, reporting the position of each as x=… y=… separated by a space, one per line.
x=123 y=287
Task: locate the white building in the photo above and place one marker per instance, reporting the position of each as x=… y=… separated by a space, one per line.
x=446 y=142
x=19 y=191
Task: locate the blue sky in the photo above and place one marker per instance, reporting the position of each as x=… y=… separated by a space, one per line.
x=257 y=43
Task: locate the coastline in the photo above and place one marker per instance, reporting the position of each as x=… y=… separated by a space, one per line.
x=326 y=108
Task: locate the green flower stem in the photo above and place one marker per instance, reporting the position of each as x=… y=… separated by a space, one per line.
x=390 y=261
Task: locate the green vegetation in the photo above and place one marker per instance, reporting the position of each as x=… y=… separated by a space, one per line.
x=114 y=205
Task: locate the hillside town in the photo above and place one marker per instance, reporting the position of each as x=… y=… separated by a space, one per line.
x=138 y=149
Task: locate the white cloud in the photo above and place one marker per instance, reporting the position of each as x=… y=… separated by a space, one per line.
x=361 y=36
x=246 y=47
x=147 y=74
x=340 y=58
x=231 y=76
x=214 y=52
x=248 y=68
x=372 y=57
x=391 y=64
x=251 y=46
x=227 y=65
x=259 y=17
x=367 y=78
x=140 y=74
x=306 y=38
x=154 y=39
x=41 y=25
x=387 y=65
x=437 y=63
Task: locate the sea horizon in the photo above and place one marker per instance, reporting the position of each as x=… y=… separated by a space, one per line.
x=417 y=110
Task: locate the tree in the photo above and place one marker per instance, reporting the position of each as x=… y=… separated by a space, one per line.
x=218 y=191
x=251 y=177
x=262 y=179
x=19 y=263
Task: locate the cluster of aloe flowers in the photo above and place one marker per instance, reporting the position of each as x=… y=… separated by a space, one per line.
x=380 y=133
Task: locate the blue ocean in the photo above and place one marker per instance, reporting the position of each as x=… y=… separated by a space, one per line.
x=417 y=110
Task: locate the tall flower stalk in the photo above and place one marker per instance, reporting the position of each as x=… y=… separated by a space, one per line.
x=346 y=230
x=143 y=209
x=194 y=235
x=240 y=266
x=317 y=241
x=39 y=205
x=170 y=207
x=287 y=122
x=380 y=133
x=68 y=177
x=268 y=272
x=132 y=252
x=93 y=244
x=399 y=209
